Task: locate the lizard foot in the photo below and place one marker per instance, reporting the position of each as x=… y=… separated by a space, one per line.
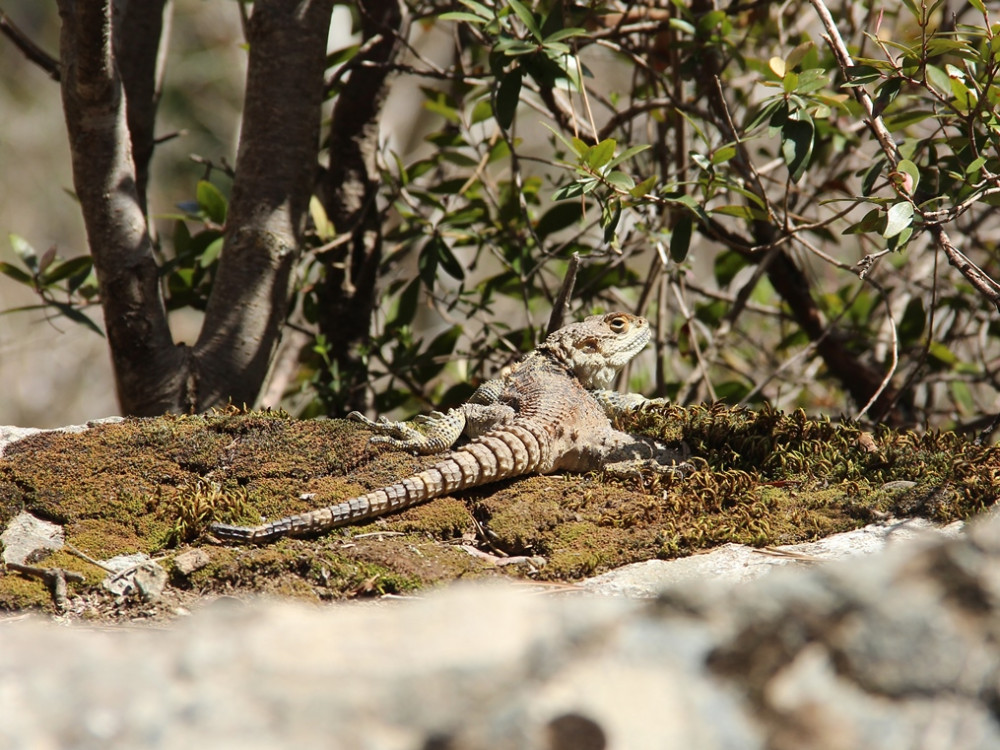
x=425 y=433
x=634 y=468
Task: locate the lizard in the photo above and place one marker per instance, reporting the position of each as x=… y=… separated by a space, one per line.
x=550 y=412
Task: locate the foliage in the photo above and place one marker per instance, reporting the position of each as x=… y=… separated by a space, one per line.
x=718 y=169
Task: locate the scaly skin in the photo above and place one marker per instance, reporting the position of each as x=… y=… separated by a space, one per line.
x=548 y=413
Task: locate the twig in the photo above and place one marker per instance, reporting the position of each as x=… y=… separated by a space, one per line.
x=892 y=367
x=874 y=121
x=32 y=51
x=54 y=578
x=83 y=556
x=560 y=308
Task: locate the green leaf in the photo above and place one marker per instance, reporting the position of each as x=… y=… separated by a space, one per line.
x=479 y=9
x=965 y=96
x=748 y=213
x=869 y=223
x=68 y=268
x=211 y=201
x=680 y=238
x=682 y=25
x=481 y=111
x=182 y=238
x=764 y=114
x=898 y=242
x=911 y=327
x=571 y=146
x=24 y=251
x=440 y=104
x=527 y=18
x=912 y=171
x=727 y=265
x=797 y=55
x=427 y=262
x=610 y=216
x=211 y=253
x=461 y=16
x=406 y=306
x=859 y=75
x=443 y=344
x=789 y=82
x=77 y=316
x=643 y=187
x=599 y=155
x=938 y=79
x=340 y=56
x=17 y=274
x=507 y=98
x=628 y=154
x=974 y=166
x=557 y=218
x=886 y=93
x=941 y=355
x=870 y=176
x=812 y=80
x=569 y=31
x=797 y=146
x=962 y=395
x=324 y=227
x=724 y=154
x=448 y=260
x=572 y=190
x=620 y=180
x=900 y=216
x=906 y=118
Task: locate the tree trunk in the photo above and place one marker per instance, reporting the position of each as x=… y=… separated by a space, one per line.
x=148 y=367
x=275 y=170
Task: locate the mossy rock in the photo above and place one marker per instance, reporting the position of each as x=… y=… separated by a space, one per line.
x=754 y=477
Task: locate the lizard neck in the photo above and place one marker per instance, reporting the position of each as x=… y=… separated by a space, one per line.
x=593 y=373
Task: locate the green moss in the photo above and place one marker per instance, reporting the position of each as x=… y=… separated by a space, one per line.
x=755 y=477
x=19 y=592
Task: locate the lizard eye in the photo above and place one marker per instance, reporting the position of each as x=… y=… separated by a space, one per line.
x=618 y=324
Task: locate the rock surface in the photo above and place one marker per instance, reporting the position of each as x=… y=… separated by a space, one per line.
x=898 y=650
x=738 y=563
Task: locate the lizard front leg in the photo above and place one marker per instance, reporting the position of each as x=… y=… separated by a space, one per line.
x=436 y=432
x=424 y=434
x=615 y=404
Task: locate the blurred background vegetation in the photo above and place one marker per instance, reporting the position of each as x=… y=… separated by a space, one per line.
x=705 y=163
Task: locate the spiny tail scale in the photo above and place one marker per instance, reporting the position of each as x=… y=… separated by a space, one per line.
x=522 y=447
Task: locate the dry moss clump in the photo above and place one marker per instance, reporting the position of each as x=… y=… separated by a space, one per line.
x=755 y=477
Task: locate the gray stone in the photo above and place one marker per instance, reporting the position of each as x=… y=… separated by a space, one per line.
x=737 y=563
x=135 y=575
x=10 y=434
x=190 y=561
x=892 y=651
x=27 y=534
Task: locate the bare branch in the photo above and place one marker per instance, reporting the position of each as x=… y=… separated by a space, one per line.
x=28 y=48
x=138 y=46
x=983 y=283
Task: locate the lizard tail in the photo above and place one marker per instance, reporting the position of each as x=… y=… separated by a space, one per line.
x=509 y=451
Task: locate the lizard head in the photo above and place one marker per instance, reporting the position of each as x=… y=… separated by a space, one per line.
x=597 y=348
